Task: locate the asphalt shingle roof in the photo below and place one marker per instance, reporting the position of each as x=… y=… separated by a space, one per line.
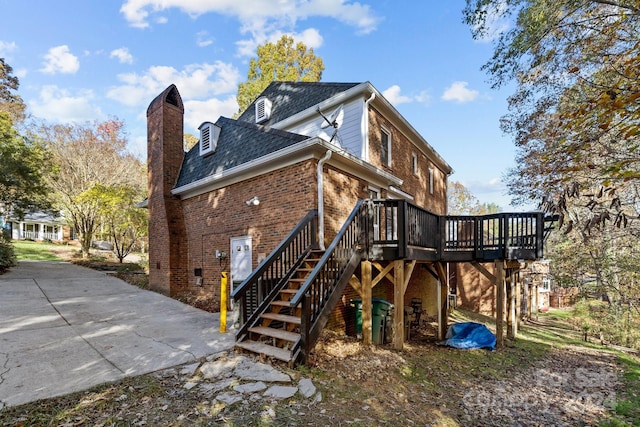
x=239 y=142
x=289 y=98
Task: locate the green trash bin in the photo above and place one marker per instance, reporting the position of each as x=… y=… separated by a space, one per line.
x=356 y=307
x=381 y=322
x=380 y=312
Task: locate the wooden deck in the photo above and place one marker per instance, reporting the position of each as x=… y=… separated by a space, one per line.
x=402 y=230
x=287 y=299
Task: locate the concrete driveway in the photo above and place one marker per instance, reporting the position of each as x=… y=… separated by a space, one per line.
x=65 y=328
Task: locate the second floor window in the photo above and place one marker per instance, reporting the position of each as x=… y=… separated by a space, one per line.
x=385 y=148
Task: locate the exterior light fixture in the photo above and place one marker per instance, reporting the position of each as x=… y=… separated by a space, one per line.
x=254 y=201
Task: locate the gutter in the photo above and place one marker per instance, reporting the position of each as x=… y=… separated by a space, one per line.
x=293 y=154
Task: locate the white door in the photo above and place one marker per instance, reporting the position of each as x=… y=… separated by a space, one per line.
x=241 y=265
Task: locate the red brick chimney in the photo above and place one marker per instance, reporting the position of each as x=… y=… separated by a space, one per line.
x=168 y=246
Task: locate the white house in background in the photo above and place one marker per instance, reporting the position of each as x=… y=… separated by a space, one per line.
x=38 y=226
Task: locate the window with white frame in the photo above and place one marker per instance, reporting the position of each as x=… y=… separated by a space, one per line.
x=546 y=284
x=414 y=163
x=385 y=147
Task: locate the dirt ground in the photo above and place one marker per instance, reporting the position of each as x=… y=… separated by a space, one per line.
x=546 y=377
x=530 y=384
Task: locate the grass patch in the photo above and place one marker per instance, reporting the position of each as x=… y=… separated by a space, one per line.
x=627 y=410
x=34 y=251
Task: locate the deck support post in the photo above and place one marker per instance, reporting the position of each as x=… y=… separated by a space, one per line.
x=534 y=304
x=518 y=278
x=443 y=294
x=367 y=309
x=398 y=302
x=500 y=297
x=512 y=322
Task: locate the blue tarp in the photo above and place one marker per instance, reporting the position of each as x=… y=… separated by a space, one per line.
x=469 y=335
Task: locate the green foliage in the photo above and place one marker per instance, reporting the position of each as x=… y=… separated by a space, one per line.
x=280 y=61
x=627 y=409
x=460 y=201
x=575 y=115
x=34 y=251
x=22 y=162
x=617 y=324
x=85 y=155
x=116 y=206
x=7 y=253
x=10 y=102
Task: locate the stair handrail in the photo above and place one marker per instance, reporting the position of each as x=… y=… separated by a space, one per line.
x=290 y=246
x=343 y=255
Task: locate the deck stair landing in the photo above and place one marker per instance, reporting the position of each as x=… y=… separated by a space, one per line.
x=277 y=329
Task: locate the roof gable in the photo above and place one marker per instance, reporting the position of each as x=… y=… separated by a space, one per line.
x=238 y=143
x=290 y=98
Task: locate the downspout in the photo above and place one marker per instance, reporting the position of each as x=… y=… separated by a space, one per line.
x=321 y=163
x=365 y=127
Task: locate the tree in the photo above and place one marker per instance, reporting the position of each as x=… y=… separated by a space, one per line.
x=280 y=61
x=575 y=119
x=22 y=163
x=190 y=141
x=460 y=201
x=10 y=101
x=575 y=115
x=84 y=156
x=125 y=223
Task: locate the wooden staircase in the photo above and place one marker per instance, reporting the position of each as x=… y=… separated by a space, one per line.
x=277 y=330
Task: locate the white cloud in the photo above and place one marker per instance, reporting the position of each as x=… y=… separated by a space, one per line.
x=310 y=37
x=59 y=105
x=6 y=48
x=394 y=96
x=459 y=92
x=60 y=60
x=196 y=112
x=259 y=19
x=203 y=39
x=195 y=81
x=123 y=55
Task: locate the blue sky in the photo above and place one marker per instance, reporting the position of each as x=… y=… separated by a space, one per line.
x=81 y=60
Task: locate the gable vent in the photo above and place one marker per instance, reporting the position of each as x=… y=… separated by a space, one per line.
x=209 y=134
x=263 y=109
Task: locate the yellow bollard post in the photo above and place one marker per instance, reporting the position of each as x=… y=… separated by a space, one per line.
x=223 y=302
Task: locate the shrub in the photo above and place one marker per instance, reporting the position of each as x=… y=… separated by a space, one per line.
x=7 y=254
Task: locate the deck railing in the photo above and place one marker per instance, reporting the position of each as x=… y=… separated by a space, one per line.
x=402 y=230
x=324 y=285
x=259 y=289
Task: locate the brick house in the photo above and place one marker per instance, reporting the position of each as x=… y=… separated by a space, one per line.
x=320 y=192
x=197 y=200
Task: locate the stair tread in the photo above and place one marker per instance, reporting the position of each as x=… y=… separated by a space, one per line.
x=280 y=303
x=289 y=291
x=281 y=317
x=276 y=333
x=266 y=349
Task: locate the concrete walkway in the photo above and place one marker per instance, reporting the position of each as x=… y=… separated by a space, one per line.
x=65 y=328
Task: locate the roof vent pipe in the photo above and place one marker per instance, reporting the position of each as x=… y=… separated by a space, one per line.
x=321 y=163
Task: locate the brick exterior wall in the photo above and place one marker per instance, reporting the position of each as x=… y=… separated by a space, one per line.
x=474 y=291
x=285 y=195
x=167 y=246
x=185 y=234
x=416 y=184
